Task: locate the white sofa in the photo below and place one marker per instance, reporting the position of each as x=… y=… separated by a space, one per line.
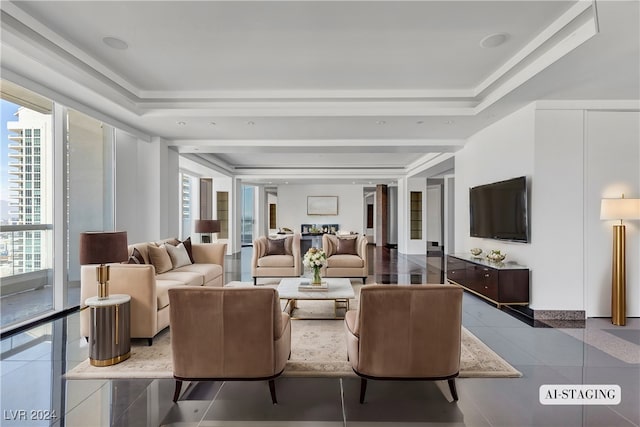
x=148 y=290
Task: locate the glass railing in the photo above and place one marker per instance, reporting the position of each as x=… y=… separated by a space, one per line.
x=25 y=249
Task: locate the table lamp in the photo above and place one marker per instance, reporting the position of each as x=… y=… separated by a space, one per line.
x=102 y=247
x=207 y=226
x=619 y=209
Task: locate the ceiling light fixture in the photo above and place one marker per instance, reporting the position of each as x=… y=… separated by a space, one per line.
x=419 y=122
x=448 y=122
x=380 y=122
x=494 y=40
x=115 y=43
x=251 y=123
x=182 y=123
x=212 y=123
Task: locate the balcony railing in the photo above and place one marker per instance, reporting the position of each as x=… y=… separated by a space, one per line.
x=17 y=261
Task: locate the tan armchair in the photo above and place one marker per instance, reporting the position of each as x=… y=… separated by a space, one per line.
x=228 y=334
x=346 y=256
x=406 y=333
x=276 y=257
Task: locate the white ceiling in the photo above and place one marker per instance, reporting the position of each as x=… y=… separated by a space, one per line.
x=370 y=90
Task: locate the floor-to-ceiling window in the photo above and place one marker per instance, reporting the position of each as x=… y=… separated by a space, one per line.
x=248 y=208
x=56 y=181
x=26 y=210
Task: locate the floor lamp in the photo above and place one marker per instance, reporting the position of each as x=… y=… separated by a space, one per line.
x=207 y=226
x=619 y=209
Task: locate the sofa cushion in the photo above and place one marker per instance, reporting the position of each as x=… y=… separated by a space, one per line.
x=187 y=245
x=136 y=257
x=345 y=261
x=142 y=248
x=275 y=247
x=168 y=241
x=160 y=258
x=209 y=271
x=276 y=261
x=179 y=256
x=162 y=288
x=346 y=246
x=186 y=277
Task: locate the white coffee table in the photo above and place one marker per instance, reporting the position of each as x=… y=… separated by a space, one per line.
x=339 y=290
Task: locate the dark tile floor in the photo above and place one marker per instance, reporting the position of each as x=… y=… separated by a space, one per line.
x=33 y=362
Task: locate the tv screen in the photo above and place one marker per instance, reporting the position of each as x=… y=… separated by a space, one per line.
x=499 y=210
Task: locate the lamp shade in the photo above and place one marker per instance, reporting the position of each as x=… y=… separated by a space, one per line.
x=620 y=209
x=101 y=247
x=207 y=226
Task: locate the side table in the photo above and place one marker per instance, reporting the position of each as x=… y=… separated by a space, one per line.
x=109 y=336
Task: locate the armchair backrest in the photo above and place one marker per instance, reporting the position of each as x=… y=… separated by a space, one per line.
x=291 y=246
x=330 y=245
x=409 y=331
x=224 y=332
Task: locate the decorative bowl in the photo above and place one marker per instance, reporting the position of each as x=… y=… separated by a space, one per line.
x=496 y=256
x=476 y=251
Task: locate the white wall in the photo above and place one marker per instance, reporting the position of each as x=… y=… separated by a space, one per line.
x=501 y=151
x=434 y=214
x=292 y=206
x=612 y=166
x=573 y=157
x=147 y=188
x=415 y=246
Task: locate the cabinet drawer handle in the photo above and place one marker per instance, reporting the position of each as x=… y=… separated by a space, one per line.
x=486 y=287
x=486 y=275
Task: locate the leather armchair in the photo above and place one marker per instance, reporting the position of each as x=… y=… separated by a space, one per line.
x=408 y=332
x=345 y=259
x=228 y=334
x=285 y=264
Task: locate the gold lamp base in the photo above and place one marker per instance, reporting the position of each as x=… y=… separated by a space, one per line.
x=618 y=278
x=102 y=276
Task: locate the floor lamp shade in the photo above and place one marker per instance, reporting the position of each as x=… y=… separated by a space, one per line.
x=207 y=226
x=102 y=247
x=619 y=209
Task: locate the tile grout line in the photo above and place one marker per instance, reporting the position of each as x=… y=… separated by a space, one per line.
x=344 y=415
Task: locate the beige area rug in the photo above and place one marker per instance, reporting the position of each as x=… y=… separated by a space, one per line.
x=318 y=349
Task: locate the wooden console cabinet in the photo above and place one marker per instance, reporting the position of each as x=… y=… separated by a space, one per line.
x=501 y=283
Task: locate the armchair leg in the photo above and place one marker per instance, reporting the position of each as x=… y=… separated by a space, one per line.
x=452 y=389
x=363 y=389
x=176 y=392
x=272 y=390
x=255 y=281
x=149 y=342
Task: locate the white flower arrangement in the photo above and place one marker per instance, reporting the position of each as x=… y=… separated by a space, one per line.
x=314 y=258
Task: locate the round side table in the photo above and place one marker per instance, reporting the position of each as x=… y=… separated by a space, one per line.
x=109 y=336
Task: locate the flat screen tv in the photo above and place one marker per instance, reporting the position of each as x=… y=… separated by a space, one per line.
x=499 y=210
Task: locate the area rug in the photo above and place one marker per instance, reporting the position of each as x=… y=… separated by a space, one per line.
x=318 y=349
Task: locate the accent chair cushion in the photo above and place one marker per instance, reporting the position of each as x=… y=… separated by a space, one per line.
x=275 y=247
x=179 y=256
x=345 y=261
x=346 y=246
x=160 y=258
x=276 y=261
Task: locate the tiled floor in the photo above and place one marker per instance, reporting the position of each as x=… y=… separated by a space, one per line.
x=33 y=362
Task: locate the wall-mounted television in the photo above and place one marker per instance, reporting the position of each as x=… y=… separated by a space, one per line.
x=500 y=210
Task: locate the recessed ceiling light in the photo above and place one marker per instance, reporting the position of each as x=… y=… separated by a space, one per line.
x=115 y=43
x=448 y=122
x=380 y=122
x=182 y=123
x=419 y=122
x=212 y=123
x=251 y=123
x=494 y=40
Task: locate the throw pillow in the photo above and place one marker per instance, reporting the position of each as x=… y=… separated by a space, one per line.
x=346 y=247
x=275 y=247
x=160 y=258
x=187 y=245
x=178 y=254
x=136 y=257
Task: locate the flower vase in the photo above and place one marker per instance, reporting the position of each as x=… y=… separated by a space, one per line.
x=317 y=280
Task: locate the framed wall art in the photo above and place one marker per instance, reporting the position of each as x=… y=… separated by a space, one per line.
x=322 y=205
